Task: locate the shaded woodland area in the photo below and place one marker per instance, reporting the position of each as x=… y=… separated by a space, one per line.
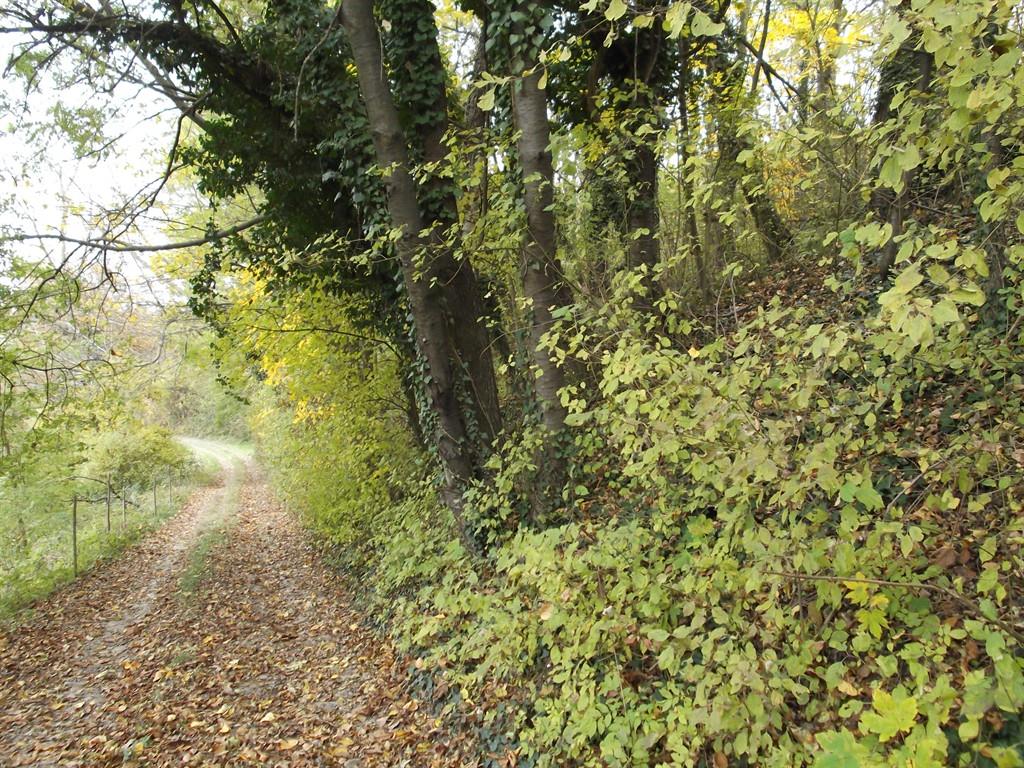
x=654 y=369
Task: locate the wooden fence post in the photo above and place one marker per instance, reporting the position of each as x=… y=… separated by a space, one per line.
x=74 y=533
x=108 y=502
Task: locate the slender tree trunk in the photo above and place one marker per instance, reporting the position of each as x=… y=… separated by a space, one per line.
x=906 y=67
x=643 y=212
x=426 y=296
x=690 y=212
x=542 y=275
x=421 y=78
x=826 y=86
x=774 y=233
x=474 y=124
x=631 y=63
x=996 y=242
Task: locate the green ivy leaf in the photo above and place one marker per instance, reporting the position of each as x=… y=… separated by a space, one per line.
x=840 y=750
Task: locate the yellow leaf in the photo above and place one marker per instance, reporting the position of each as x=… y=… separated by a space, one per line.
x=486 y=101
x=616 y=10
x=341 y=749
x=848 y=688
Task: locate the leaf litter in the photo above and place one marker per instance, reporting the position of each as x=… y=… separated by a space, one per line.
x=266 y=663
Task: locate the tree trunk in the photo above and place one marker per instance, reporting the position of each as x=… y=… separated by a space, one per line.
x=426 y=296
x=995 y=242
x=474 y=123
x=644 y=214
x=643 y=211
x=689 y=212
x=774 y=233
x=542 y=275
x=421 y=79
x=906 y=67
x=631 y=63
x=826 y=86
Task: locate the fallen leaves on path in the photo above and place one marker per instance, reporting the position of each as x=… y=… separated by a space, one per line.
x=264 y=665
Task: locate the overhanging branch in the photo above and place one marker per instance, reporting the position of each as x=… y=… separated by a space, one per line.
x=116 y=247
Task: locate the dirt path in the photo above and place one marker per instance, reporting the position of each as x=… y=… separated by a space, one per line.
x=259 y=662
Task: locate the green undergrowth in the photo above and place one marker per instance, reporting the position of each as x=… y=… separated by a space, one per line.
x=37 y=554
x=797 y=545
x=771 y=549
x=795 y=541
x=31 y=573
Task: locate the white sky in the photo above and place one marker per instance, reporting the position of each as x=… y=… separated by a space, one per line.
x=50 y=190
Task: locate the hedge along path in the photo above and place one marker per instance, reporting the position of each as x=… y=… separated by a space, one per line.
x=264 y=663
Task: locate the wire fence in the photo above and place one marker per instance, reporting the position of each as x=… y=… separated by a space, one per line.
x=50 y=534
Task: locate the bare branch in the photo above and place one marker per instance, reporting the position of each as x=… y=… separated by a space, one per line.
x=116 y=247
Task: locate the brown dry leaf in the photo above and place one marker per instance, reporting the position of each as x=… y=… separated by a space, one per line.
x=848 y=688
x=945 y=557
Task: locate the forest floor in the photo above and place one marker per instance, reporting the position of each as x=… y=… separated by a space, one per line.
x=222 y=639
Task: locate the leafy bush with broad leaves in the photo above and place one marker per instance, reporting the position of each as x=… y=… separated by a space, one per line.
x=801 y=542
x=795 y=556
x=136 y=455
x=798 y=542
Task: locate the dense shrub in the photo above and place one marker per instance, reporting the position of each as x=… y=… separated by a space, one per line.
x=136 y=455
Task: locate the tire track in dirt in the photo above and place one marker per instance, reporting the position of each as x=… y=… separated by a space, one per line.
x=264 y=664
x=55 y=665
